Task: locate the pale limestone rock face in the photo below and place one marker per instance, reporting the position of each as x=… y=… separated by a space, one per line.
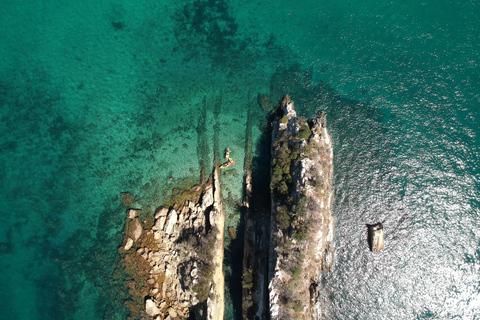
x=133 y=213
x=156 y=257
x=135 y=229
x=207 y=199
x=172 y=312
x=160 y=223
x=172 y=220
x=168 y=271
x=129 y=244
x=151 y=308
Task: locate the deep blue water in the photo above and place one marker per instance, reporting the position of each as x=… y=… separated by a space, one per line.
x=99 y=98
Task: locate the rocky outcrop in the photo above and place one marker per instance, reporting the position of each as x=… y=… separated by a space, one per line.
x=174 y=263
x=135 y=229
x=375 y=237
x=302 y=223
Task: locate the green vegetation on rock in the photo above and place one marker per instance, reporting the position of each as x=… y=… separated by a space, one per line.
x=247 y=282
x=281 y=178
x=304 y=131
x=297 y=307
x=296 y=273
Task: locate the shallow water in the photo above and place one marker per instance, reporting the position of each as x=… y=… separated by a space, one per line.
x=100 y=98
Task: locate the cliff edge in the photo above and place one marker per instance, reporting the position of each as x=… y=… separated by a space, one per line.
x=302 y=225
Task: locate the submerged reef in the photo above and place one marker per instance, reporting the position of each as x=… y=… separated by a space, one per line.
x=173 y=259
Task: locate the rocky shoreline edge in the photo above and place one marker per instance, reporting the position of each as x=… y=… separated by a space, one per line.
x=174 y=263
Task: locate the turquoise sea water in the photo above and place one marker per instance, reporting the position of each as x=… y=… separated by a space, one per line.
x=103 y=97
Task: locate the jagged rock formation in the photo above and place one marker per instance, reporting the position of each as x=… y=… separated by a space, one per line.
x=302 y=223
x=174 y=263
x=375 y=237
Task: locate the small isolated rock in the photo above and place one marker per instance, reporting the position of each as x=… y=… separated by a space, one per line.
x=129 y=244
x=264 y=102
x=135 y=229
x=133 y=213
x=375 y=237
x=151 y=308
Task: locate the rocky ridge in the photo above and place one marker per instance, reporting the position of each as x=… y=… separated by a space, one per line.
x=302 y=223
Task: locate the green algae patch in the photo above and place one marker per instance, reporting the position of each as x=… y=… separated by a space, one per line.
x=264 y=102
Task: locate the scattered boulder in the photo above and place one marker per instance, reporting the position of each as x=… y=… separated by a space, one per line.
x=172 y=312
x=135 y=229
x=129 y=244
x=151 y=308
x=133 y=213
x=264 y=102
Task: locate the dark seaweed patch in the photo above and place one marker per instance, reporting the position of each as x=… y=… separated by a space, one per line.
x=117 y=25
